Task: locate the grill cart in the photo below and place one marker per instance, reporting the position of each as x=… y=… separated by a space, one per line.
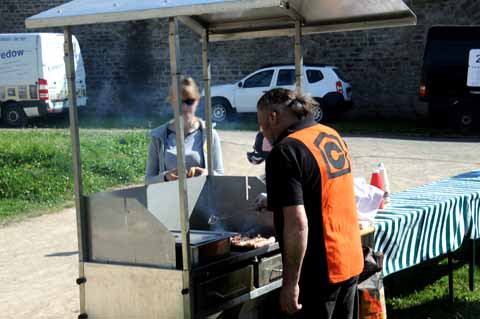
x=153 y=251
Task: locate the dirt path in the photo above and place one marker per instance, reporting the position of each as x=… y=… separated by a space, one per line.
x=38 y=257
x=38 y=269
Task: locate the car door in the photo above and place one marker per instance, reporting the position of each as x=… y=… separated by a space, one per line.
x=286 y=78
x=252 y=89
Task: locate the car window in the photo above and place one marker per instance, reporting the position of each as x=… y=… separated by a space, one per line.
x=314 y=76
x=22 y=92
x=11 y=92
x=339 y=74
x=286 y=77
x=261 y=79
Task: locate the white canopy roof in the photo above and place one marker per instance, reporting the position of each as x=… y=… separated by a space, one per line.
x=236 y=19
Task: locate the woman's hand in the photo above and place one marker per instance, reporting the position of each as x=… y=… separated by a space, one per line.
x=171 y=175
x=197 y=171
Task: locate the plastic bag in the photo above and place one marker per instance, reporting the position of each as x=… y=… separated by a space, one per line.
x=368 y=199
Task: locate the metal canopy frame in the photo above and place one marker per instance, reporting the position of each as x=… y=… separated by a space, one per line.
x=236 y=19
x=212 y=20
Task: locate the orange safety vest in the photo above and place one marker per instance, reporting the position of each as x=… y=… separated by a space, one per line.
x=339 y=213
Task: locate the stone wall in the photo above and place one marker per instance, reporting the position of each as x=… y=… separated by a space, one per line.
x=127 y=64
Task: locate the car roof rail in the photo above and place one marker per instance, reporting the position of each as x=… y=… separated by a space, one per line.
x=320 y=65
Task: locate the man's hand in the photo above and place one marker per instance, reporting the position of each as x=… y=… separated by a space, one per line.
x=289 y=299
x=261 y=202
x=171 y=175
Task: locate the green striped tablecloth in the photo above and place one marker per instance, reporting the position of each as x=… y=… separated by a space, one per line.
x=428 y=221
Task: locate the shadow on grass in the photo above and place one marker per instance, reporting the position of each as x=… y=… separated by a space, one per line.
x=90 y=120
x=419 y=277
x=425 y=274
x=422 y=291
x=439 y=309
x=420 y=129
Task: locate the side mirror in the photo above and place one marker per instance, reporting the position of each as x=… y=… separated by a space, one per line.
x=240 y=84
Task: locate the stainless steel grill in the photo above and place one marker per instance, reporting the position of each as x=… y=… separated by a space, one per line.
x=138 y=227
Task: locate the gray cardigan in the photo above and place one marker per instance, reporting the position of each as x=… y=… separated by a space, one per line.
x=156 y=153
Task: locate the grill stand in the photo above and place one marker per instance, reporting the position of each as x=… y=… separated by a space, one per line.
x=272 y=27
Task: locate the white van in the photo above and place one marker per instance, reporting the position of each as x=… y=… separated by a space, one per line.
x=33 y=80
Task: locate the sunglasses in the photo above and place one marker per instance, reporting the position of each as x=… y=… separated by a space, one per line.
x=188 y=102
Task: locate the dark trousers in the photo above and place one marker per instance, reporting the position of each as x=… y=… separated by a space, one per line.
x=334 y=301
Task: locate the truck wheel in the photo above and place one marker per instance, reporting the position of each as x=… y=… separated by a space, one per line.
x=14 y=115
x=465 y=120
x=220 y=110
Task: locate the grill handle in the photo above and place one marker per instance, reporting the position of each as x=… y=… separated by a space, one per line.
x=280 y=270
x=274 y=270
x=231 y=294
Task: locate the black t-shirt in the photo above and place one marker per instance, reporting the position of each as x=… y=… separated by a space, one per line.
x=294 y=178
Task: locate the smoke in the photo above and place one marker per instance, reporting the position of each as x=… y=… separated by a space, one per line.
x=127 y=74
x=130 y=70
x=218 y=224
x=103 y=100
x=127 y=106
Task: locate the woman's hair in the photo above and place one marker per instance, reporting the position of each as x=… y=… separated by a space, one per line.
x=283 y=99
x=188 y=87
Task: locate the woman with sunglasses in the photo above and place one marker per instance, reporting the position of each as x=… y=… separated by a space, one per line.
x=162 y=151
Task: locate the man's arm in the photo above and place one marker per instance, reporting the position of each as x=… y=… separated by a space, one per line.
x=295 y=237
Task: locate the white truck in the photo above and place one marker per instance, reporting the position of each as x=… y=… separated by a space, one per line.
x=324 y=83
x=33 y=78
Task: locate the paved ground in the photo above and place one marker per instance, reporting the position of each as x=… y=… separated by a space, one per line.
x=38 y=260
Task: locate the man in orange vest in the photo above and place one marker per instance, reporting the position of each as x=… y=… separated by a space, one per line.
x=310 y=190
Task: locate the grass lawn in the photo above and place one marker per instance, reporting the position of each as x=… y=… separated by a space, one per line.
x=36 y=166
